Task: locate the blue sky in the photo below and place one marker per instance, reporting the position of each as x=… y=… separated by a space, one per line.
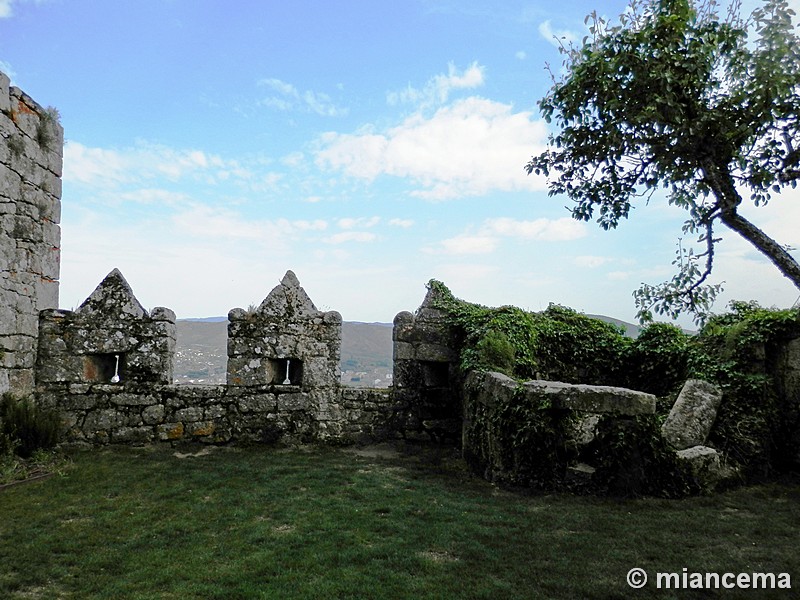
x=368 y=146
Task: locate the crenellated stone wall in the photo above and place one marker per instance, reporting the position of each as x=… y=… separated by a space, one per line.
x=107 y=368
x=31 y=141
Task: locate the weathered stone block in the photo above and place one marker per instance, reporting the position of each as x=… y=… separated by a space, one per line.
x=152 y=415
x=592 y=398
x=132 y=435
x=193 y=413
x=201 y=429
x=170 y=431
x=260 y=403
x=706 y=466
x=692 y=416
x=103 y=420
x=5 y=100
x=214 y=412
x=131 y=399
x=292 y=402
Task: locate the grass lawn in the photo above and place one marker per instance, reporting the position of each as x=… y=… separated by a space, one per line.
x=327 y=523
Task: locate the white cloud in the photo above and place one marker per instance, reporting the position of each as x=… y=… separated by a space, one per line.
x=521 y=55
x=557 y=37
x=590 y=262
x=208 y=222
x=303 y=225
x=488 y=236
x=110 y=167
x=469 y=244
x=549 y=230
x=290 y=98
x=403 y=223
x=5 y=9
x=437 y=90
x=351 y=236
x=471 y=147
x=352 y=223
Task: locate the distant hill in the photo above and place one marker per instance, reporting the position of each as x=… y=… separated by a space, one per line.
x=366 y=356
x=631 y=330
x=201 y=355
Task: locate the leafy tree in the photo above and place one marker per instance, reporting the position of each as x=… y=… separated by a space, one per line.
x=675 y=97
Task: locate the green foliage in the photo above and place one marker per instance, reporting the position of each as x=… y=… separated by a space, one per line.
x=495 y=351
x=16 y=145
x=634 y=460
x=29 y=426
x=8 y=444
x=558 y=343
x=675 y=97
x=537 y=451
x=574 y=348
x=48 y=121
x=754 y=424
x=657 y=361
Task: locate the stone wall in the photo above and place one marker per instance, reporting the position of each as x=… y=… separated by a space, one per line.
x=31 y=141
x=501 y=452
x=107 y=369
x=426 y=372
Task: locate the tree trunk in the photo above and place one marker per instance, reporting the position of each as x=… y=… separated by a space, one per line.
x=719 y=179
x=766 y=245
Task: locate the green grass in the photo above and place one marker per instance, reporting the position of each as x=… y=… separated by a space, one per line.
x=264 y=523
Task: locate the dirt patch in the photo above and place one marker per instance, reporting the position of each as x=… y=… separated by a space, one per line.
x=375 y=451
x=205 y=451
x=438 y=557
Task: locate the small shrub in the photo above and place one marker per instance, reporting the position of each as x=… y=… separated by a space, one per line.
x=48 y=120
x=657 y=362
x=16 y=145
x=634 y=460
x=8 y=444
x=496 y=353
x=29 y=425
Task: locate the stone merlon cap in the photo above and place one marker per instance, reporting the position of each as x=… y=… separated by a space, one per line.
x=288 y=299
x=113 y=299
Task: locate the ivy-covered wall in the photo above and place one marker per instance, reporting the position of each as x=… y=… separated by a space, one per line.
x=751 y=353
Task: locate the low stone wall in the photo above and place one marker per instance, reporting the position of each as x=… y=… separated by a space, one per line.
x=99 y=414
x=496 y=451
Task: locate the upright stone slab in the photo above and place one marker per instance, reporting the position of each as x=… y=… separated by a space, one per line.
x=692 y=416
x=110 y=339
x=31 y=141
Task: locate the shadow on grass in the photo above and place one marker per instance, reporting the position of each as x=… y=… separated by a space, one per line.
x=407 y=522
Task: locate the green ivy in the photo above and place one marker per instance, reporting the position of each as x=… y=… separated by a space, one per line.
x=633 y=459
x=754 y=426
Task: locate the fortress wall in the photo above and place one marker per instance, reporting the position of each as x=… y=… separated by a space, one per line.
x=31 y=141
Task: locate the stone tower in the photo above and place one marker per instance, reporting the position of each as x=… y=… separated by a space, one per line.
x=31 y=142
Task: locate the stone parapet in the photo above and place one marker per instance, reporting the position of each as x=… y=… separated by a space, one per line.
x=110 y=338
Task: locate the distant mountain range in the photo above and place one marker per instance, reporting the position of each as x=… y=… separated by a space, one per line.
x=366 y=356
x=201 y=355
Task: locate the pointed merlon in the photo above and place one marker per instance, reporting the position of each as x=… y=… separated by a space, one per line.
x=288 y=299
x=113 y=299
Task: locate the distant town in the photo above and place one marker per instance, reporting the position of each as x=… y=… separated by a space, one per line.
x=201 y=355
